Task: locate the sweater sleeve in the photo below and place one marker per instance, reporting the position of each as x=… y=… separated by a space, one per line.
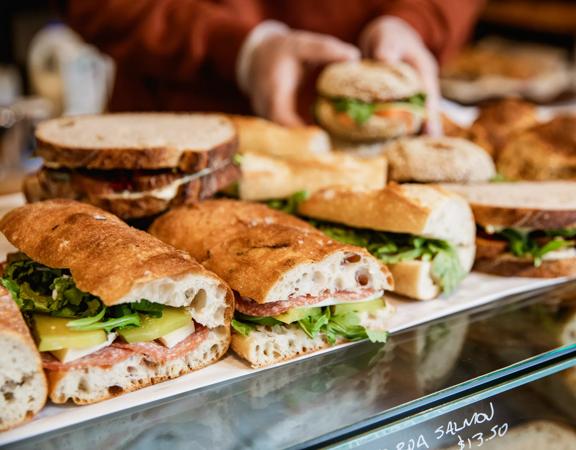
x=166 y=39
x=444 y=25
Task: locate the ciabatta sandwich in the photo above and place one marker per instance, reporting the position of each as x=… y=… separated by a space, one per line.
x=22 y=380
x=112 y=308
x=134 y=165
x=370 y=100
x=297 y=291
x=524 y=228
x=424 y=233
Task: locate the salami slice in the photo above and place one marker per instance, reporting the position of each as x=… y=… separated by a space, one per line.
x=105 y=357
x=251 y=308
x=158 y=353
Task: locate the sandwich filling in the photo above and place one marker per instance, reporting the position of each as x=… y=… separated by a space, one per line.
x=358 y=112
x=535 y=245
x=70 y=324
x=353 y=321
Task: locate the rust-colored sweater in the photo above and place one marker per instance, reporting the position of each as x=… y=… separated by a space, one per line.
x=181 y=54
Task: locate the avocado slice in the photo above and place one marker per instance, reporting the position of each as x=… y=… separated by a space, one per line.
x=369 y=306
x=296 y=314
x=155 y=327
x=53 y=334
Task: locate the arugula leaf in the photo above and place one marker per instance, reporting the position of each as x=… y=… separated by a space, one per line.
x=112 y=324
x=358 y=110
x=147 y=307
x=289 y=205
x=79 y=323
x=524 y=243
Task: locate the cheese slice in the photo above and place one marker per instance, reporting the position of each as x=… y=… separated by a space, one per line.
x=70 y=354
x=178 y=335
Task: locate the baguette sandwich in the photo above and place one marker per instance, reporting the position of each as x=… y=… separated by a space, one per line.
x=424 y=233
x=297 y=291
x=112 y=308
x=370 y=101
x=524 y=228
x=135 y=165
x=22 y=380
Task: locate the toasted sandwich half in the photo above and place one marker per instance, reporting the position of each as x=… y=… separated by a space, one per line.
x=424 y=233
x=297 y=291
x=112 y=308
x=524 y=228
x=135 y=165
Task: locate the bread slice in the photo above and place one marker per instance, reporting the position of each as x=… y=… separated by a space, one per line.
x=405 y=121
x=186 y=188
x=369 y=81
x=94 y=384
x=266 y=137
x=425 y=210
x=198 y=228
x=534 y=435
x=543 y=152
x=22 y=381
x=265 y=177
x=114 y=261
x=533 y=205
x=190 y=142
x=433 y=160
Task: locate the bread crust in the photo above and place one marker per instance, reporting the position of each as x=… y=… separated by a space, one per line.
x=105 y=256
x=509 y=266
x=369 y=81
x=523 y=217
x=397 y=208
x=13 y=326
x=434 y=160
x=198 y=227
x=265 y=177
x=136 y=157
x=37 y=188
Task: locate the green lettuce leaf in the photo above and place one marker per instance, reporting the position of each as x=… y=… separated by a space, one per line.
x=524 y=244
x=241 y=327
x=289 y=205
x=417 y=99
x=359 y=111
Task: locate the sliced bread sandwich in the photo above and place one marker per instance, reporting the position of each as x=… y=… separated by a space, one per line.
x=134 y=165
x=524 y=228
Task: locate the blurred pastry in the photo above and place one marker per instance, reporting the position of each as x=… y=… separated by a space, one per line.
x=543 y=152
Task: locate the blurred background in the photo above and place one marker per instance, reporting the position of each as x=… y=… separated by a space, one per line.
x=46 y=70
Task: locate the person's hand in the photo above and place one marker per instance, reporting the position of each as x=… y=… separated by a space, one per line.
x=391 y=39
x=277 y=66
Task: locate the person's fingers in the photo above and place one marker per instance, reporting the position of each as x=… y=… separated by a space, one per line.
x=281 y=92
x=321 y=49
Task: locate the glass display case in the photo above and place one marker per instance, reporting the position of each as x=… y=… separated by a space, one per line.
x=484 y=378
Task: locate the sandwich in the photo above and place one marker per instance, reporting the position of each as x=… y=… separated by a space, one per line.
x=542 y=152
x=24 y=387
x=265 y=177
x=297 y=291
x=525 y=228
x=268 y=138
x=423 y=233
x=370 y=101
x=434 y=160
x=112 y=309
x=135 y=165
x=496 y=68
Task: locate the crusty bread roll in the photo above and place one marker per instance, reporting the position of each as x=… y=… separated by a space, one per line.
x=22 y=380
x=265 y=177
x=543 y=152
x=190 y=142
x=120 y=264
x=423 y=210
x=266 y=137
x=434 y=160
x=369 y=81
x=500 y=120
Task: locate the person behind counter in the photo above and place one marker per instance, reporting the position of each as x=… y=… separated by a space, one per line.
x=202 y=54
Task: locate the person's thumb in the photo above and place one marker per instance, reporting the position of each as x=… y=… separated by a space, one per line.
x=321 y=49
